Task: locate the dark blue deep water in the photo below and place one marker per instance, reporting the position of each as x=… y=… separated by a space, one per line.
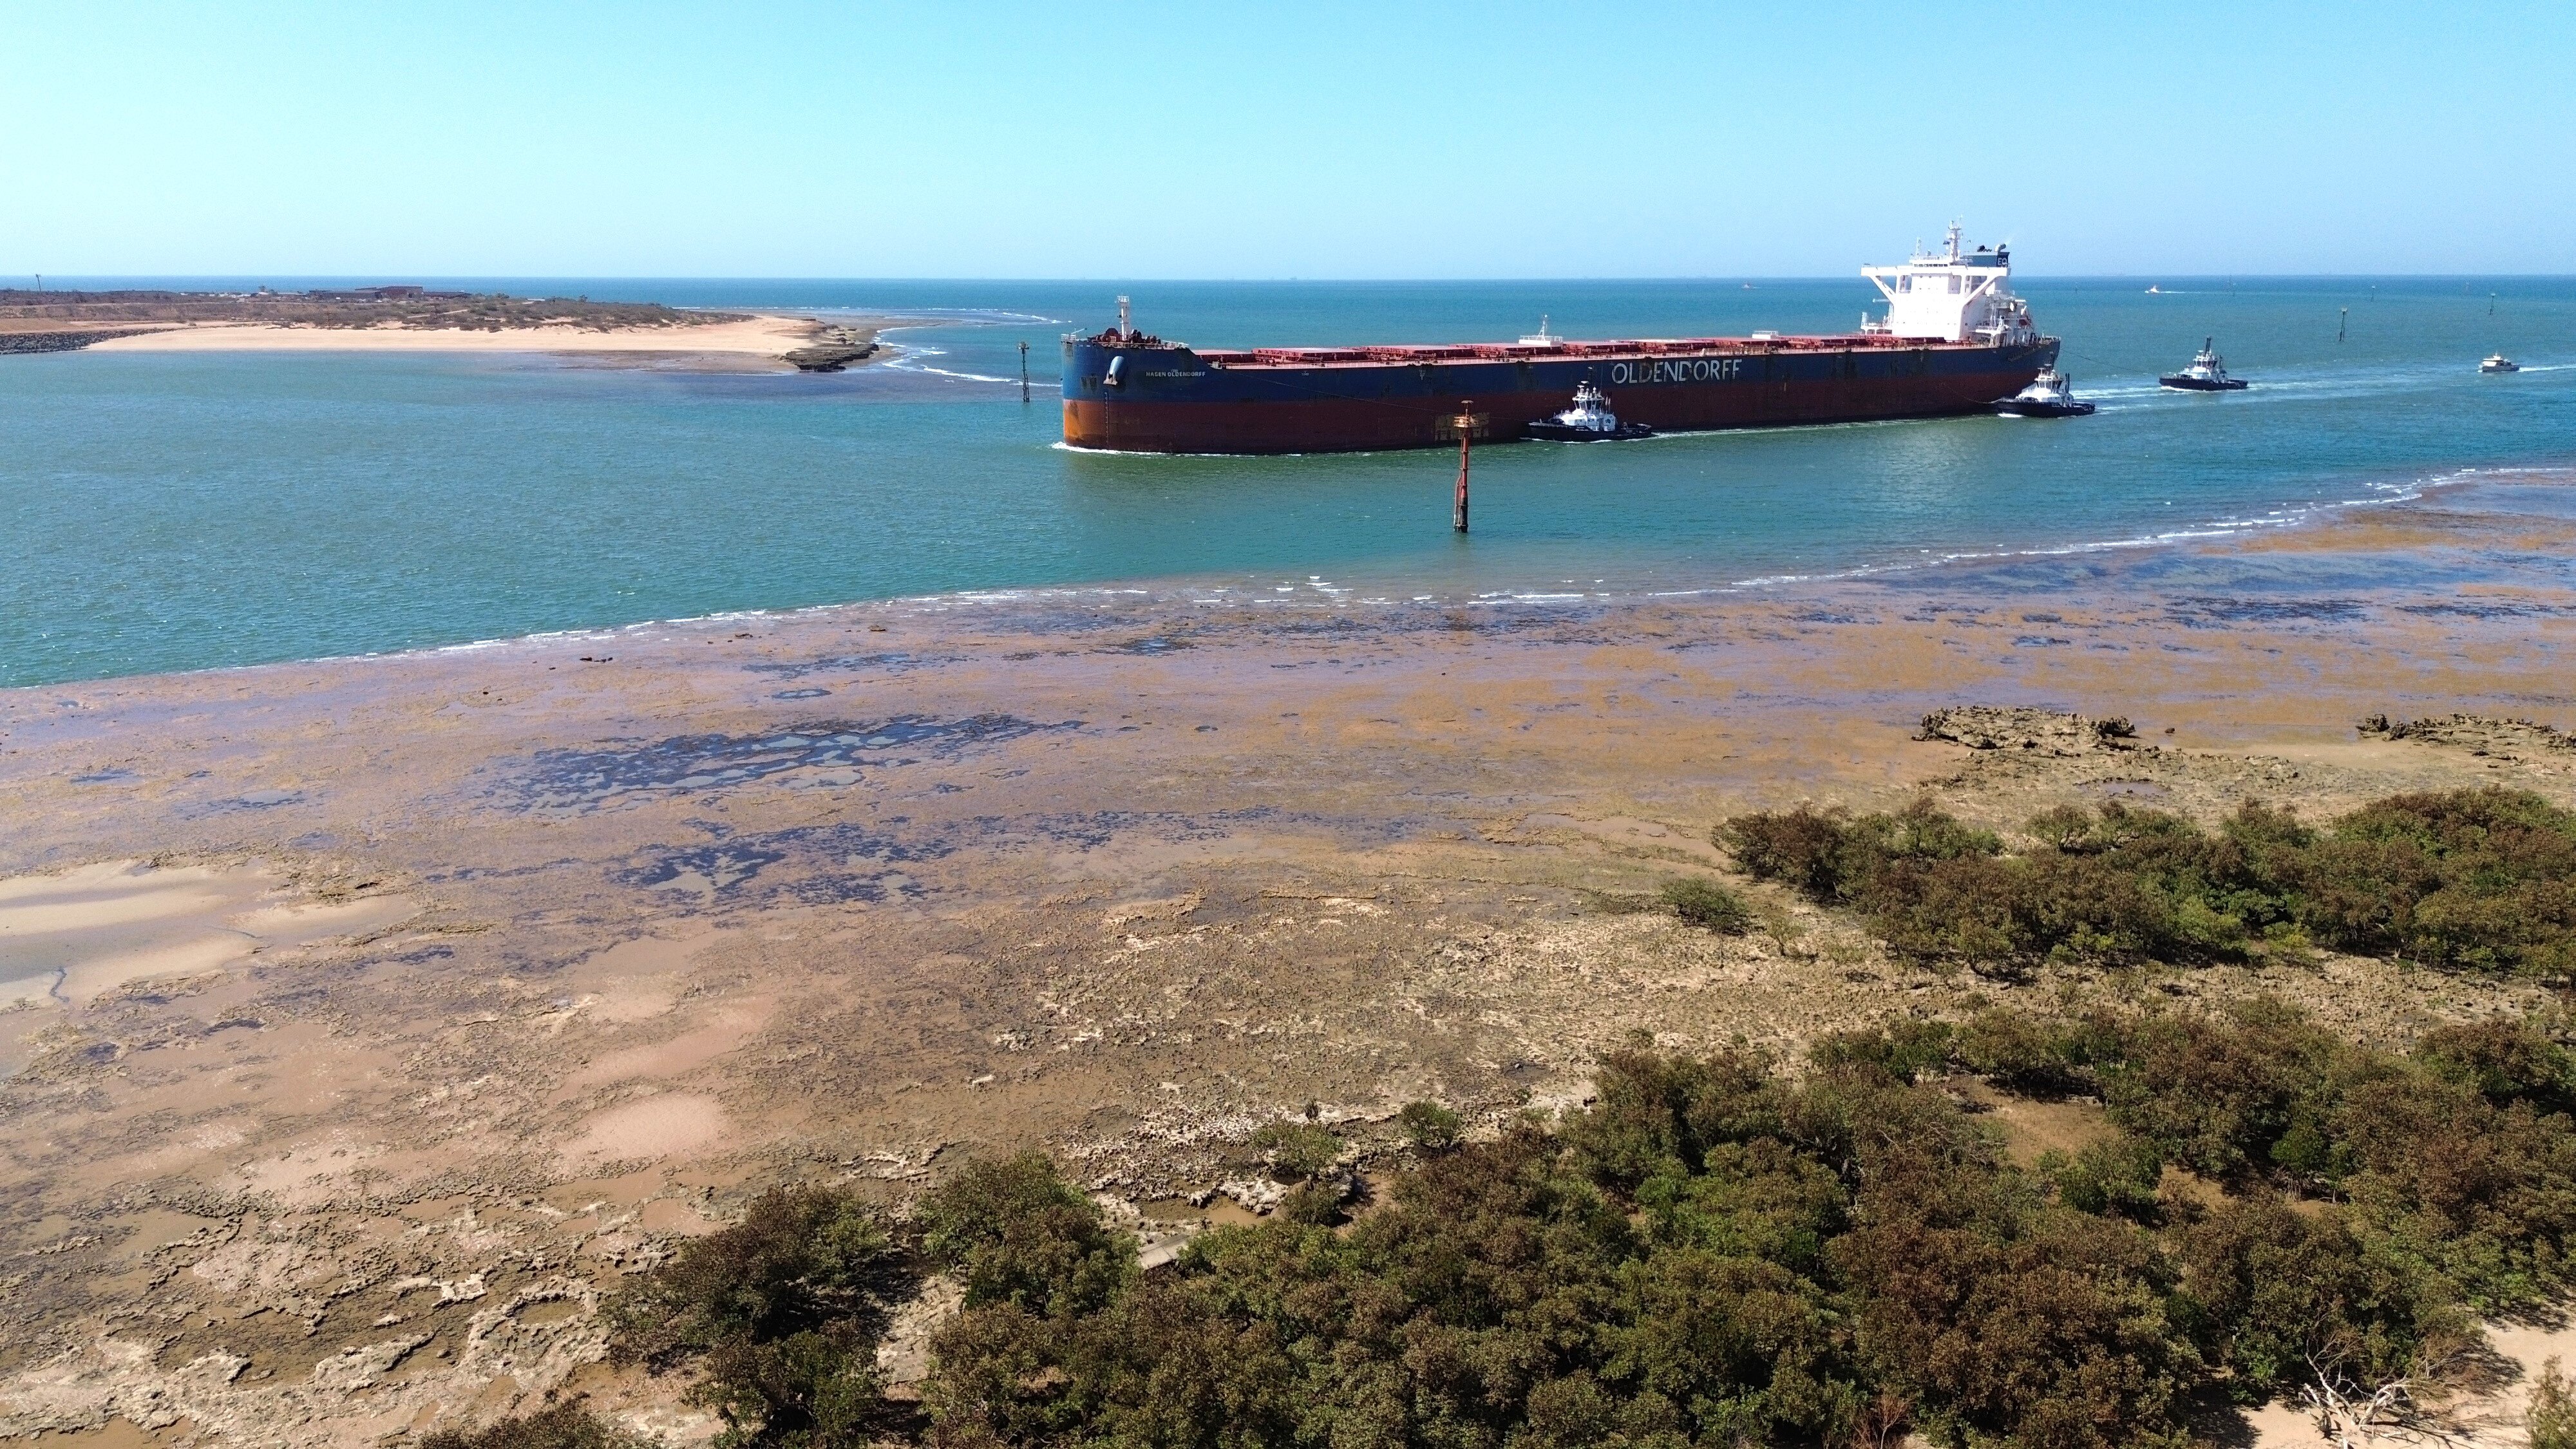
x=165 y=511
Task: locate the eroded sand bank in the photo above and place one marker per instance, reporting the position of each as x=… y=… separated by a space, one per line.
x=852 y=893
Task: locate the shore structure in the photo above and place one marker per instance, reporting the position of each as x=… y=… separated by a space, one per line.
x=1955 y=339
x=367 y=1019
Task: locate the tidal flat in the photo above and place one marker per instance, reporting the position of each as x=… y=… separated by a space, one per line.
x=365 y=1020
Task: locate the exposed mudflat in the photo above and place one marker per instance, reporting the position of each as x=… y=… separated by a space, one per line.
x=363 y=1020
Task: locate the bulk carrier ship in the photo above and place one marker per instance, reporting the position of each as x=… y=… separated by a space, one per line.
x=1954 y=340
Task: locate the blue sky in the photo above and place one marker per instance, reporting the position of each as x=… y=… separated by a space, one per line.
x=1135 y=139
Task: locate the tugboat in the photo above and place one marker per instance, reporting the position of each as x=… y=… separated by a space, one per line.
x=2207 y=373
x=2499 y=363
x=2049 y=395
x=1588 y=421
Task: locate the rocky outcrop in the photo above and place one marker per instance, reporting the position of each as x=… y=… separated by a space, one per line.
x=2503 y=739
x=835 y=348
x=1989 y=727
x=71 y=341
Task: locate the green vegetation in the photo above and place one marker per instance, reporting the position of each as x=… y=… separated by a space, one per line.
x=1298 y=1151
x=1430 y=1126
x=1725 y=1251
x=22 y=310
x=1719 y=1252
x=1022 y=1238
x=780 y=1314
x=2550 y=1423
x=2480 y=880
x=1707 y=905
x=557 y=1426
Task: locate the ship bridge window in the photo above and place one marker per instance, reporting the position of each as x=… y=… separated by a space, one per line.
x=1954 y=286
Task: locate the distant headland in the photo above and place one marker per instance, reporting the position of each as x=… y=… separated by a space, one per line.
x=419 y=318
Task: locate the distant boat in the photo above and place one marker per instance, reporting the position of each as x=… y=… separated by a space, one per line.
x=2207 y=373
x=2499 y=363
x=2155 y=291
x=1542 y=337
x=2050 y=395
x=1588 y=421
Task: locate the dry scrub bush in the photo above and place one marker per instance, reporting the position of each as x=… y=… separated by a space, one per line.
x=557 y=1426
x=1297 y=1151
x=1707 y=905
x=2479 y=880
x=1716 y=1252
x=1430 y=1126
x=1722 y=1251
x=780 y=1314
x=2550 y=1421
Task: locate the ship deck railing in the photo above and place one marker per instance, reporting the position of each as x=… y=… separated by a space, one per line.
x=1527 y=351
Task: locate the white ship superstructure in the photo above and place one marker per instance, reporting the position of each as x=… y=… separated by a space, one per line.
x=1952 y=296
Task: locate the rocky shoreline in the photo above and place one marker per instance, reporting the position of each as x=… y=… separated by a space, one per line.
x=835 y=348
x=524 y=964
x=66 y=341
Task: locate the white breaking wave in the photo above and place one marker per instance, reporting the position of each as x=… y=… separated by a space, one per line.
x=902 y=362
x=1318 y=592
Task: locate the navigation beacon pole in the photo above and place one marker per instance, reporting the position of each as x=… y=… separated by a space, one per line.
x=1024 y=372
x=1459 y=520
x=1465 y=424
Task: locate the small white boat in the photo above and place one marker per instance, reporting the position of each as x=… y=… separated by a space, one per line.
x=2207 y=373
x=1588 y=421
x=2499 y=363
x=2050 y=395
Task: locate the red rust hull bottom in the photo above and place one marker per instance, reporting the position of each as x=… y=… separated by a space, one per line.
x=1332 y=425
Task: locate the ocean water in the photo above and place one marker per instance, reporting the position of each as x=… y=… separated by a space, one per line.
x=169 y=512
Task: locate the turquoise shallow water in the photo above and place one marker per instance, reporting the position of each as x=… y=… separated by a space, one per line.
x=162 y=512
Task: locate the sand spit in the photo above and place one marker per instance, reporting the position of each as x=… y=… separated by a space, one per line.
x=766 y=336
x=856 y=893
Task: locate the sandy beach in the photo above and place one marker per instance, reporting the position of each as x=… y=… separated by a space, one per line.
x=367 y=1018
x=766 y=336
